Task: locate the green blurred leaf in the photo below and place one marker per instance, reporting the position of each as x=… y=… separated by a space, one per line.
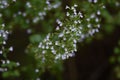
x=109 y=28
x=118 y=59
x=117 y=50
x=117 y=70
x=14 y=73
x=6 y=74
x=112 y=59
x=36 y=38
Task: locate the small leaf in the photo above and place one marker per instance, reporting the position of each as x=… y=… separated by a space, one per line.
x=112 y=59
x=36 y=38
x=117 y=50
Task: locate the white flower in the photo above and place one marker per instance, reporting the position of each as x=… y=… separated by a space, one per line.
x=95 y=1
x=43 y=52
x=36 y=70
x=75 y=5
x=1 y=52
x=56 y=43
x=17 y=63
x=43 y=47
x=75 y=22
x=67 y=14
x=14 y=0
x=64 y=38
x=89 y=26
x=67 y=7
x=50 y=43
x=47 y=47
x=28 y=4
x=97 y=19
x=63 y=57
x=53 y=51
x=74 y=41
x=8 y=61
x=48 y=36
x=92 y=15
x=11 y=48
x=52 y=48
x=63 y=45
x=61 y=35
x=88 y=19
x=3 y=25
x=98 y=12
x=40 y=45
x=66 y=49
x=57 y=28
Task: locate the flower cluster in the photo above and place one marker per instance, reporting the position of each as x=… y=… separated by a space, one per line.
x=3 y=38
x=21 y=14
x=80 y=22
x=63 y=43
x=94 y=1
x=5 y=3
x=40 y=8
x=3 y=34
x=5 y=64
x=40 y=12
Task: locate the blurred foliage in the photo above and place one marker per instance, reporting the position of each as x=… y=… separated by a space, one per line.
x=53 y=18
x=115 y=59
